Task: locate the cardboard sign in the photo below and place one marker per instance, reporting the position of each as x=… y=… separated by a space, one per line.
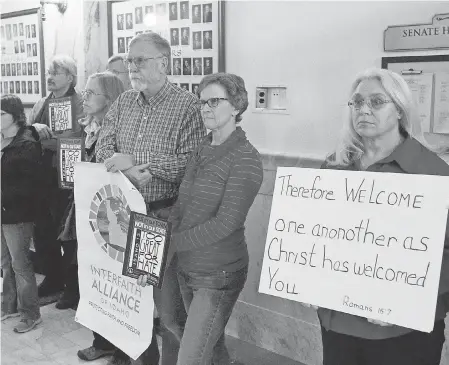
x=70 y=152
x=60 y=114
x=110 y=304
x=147 y=248
x=363 y=243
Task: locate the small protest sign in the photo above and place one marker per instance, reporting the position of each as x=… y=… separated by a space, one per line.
x=147 y=248
x=70 y=152
x=363 y=243
x=60 y=114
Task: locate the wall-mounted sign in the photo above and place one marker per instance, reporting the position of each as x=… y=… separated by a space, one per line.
x=420 y=36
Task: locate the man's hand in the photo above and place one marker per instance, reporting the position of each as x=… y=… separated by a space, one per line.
x=380 y=323
x=142 y=280
x=44 y=131
x=119 y=162
x=139 y=175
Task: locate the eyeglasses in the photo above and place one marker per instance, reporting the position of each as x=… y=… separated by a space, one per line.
x=374 y=102
x=49 y=73
x=212 y=102
x=88 y=93
x=138 y=61
x=115 y=72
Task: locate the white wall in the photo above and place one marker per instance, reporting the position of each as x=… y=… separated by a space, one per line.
x=315 y=49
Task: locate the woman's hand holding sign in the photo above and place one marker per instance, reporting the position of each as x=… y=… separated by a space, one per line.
x=380 y=323
x=142 y=280
x=309 y=305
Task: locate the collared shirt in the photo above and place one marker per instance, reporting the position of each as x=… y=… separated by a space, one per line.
x=410 y=157
x=161 y=131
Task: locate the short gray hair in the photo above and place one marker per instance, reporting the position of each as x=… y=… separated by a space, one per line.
x=235 y=88
x=67 y=63
x=115 y=58
x=156 y=40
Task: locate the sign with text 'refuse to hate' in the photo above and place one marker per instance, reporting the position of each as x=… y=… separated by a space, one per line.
x=362 y=243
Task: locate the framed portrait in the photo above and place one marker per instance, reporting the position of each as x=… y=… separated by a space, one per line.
x=174 y=36
x=149 y=9
x=184 y=10
x=139 y=15
x=173 y=11
x=185 y=36
x=196 y=14
x=195 y=32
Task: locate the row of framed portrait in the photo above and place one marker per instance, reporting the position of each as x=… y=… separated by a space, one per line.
x=11 y=31
x=20 y=69
x=181 y=36
x=193 y=88
x=20 y=87
x=31 y=48
x=184 y=66
x=200 y=14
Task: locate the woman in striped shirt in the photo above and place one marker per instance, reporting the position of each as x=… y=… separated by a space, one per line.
x=221 y=182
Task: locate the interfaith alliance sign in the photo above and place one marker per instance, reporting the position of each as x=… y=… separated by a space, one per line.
x=419 y=36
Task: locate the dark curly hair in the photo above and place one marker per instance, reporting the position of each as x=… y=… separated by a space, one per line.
x=235 y=88
x=12 y=104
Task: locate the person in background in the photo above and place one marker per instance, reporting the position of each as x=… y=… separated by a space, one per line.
x=221 y=182
x=61 y=82
x=149 y=133
x=378 y=137
x=117 y=67
x=20 y=185
x=101 y=91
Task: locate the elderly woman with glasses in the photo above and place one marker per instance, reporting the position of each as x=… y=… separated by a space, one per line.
x=221 y=182
x=378 y=137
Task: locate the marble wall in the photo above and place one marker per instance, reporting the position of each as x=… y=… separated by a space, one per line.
x=95 y=37
x=279 y=325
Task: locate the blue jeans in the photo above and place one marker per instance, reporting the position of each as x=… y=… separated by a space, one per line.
x=19 y=281
x=208 y=299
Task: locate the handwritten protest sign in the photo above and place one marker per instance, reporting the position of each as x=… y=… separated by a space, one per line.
x=363 y=243
x=147 y=248
x=70 y=152
x=60 y=114
x=111 y=304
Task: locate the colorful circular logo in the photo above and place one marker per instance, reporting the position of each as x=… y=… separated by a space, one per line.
x=109 y=220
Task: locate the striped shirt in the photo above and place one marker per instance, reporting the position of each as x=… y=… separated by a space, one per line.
x=161 y=131
x=219 y=187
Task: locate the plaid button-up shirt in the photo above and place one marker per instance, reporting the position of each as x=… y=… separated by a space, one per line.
x=161 y=131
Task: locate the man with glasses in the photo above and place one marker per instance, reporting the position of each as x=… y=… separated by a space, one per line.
x=148 y=134
x=118 y=68
x=61 y=82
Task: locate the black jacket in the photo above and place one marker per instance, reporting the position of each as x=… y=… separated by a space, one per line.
x=21 y=177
